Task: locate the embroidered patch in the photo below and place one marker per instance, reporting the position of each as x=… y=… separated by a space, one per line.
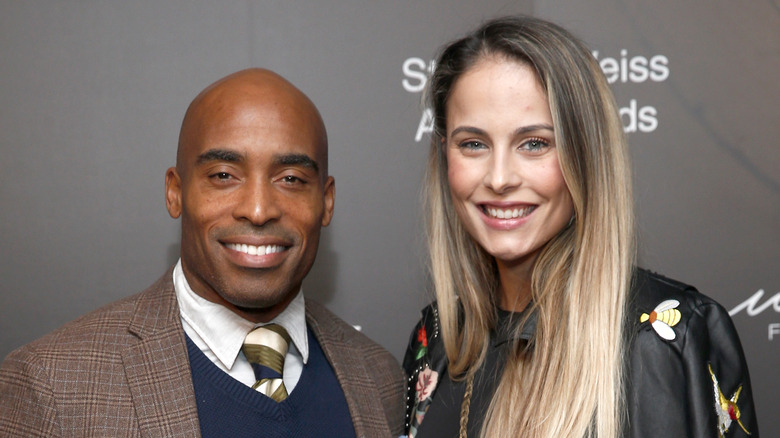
x=427 y=379
x=663 y=318
x=422 y=339
x=726 y=409
x=426 y=383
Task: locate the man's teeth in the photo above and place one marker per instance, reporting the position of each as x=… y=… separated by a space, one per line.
x=255 y=250
x=509 y=213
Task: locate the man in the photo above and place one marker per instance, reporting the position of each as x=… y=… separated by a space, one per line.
x=252 y=189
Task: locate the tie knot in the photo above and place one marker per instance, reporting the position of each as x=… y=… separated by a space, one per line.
x=267 y=346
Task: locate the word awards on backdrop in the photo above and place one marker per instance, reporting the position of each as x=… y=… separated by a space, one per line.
x=623 y=69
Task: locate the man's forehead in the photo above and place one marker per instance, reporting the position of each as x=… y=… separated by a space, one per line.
x=250 y=111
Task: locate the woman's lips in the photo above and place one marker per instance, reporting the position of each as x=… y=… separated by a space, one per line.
x=505 y=217
x=507 y=213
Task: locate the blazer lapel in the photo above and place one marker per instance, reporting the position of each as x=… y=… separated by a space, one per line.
x=157 y=366
x=363 y=397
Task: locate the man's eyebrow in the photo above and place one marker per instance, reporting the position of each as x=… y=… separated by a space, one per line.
x=220 y=155
x=302 y=160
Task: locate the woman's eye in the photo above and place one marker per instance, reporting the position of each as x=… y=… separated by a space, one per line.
x=473 y=145
x=534 y=145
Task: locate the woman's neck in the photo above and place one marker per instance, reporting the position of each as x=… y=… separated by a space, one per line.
x=514 y=288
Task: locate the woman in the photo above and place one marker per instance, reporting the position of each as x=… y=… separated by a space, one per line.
x=543 y=326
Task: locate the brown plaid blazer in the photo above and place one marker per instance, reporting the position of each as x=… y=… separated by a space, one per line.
x=123 y=371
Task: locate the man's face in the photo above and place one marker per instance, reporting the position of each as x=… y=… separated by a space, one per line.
x=251 y=191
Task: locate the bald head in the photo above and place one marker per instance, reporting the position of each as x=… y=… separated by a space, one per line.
x=251 y=96
x=252 y=189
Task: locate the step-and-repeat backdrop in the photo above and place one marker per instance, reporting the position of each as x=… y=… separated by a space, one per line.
x=93 y=92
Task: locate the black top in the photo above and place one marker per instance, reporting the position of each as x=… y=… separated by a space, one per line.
x=686 y=374
x=443 y=416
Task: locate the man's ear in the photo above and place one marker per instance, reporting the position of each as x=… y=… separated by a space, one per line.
x=329 y=196
x=173 y=192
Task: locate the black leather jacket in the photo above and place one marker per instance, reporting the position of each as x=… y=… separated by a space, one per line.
x=686 y=372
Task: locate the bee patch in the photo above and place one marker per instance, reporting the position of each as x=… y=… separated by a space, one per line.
x=663 y=318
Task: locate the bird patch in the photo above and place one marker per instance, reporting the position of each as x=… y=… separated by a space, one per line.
x=726 y=408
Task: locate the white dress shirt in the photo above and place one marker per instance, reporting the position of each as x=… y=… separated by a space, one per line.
x=219 y=333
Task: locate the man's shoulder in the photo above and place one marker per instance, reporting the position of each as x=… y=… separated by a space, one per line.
x=103 y=330
x=332 y=331
x=329 y=325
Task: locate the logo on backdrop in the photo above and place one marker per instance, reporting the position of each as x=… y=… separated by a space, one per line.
x=620 y=69
x=754 y=306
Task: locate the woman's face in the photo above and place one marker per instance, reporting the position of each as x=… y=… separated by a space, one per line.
x=505 y=180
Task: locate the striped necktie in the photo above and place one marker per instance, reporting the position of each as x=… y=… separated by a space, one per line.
x=265 y=348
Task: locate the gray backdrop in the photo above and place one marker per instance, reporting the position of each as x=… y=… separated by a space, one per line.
x=93 y=92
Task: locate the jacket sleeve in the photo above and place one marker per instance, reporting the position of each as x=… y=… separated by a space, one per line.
x=411 y=366
x=424 y=362
x=719 y=376
x=27 y=404
x=695 y=384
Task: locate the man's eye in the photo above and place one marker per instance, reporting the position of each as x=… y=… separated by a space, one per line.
x=290 y=179
x=221 y=176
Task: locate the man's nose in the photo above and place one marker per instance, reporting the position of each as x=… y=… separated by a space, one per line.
x=257 y=203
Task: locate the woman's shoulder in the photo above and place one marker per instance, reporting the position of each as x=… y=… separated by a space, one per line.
x=676 y=313
x=652 y=294
x=424 y=333
x=686 y=366
x=424 y=362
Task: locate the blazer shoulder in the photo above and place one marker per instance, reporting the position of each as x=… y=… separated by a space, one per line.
x=102 y=330
x=332 y=330
x=83 y=332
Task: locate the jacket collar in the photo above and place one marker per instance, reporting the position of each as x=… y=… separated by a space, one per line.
x=362 y=395
x=157 y=365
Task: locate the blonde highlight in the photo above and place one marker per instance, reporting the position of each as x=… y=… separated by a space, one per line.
x=583 y=271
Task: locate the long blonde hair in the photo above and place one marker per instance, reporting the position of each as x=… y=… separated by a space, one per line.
x=568 y=380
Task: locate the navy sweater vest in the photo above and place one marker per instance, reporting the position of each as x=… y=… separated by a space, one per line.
x=228 y=408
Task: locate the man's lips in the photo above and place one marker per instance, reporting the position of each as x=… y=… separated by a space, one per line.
x=255 y=249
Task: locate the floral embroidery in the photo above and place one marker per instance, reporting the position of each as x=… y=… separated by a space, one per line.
x=426 y=383
x=663 y=318
x=726 y=409
x=422 y=338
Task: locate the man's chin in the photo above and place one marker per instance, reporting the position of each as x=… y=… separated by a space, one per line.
x=256 y=304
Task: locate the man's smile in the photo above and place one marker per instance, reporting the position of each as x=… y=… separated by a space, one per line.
x=255 y=250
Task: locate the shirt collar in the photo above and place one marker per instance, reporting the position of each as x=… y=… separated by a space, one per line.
x=223 y=331
x=507 y=321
